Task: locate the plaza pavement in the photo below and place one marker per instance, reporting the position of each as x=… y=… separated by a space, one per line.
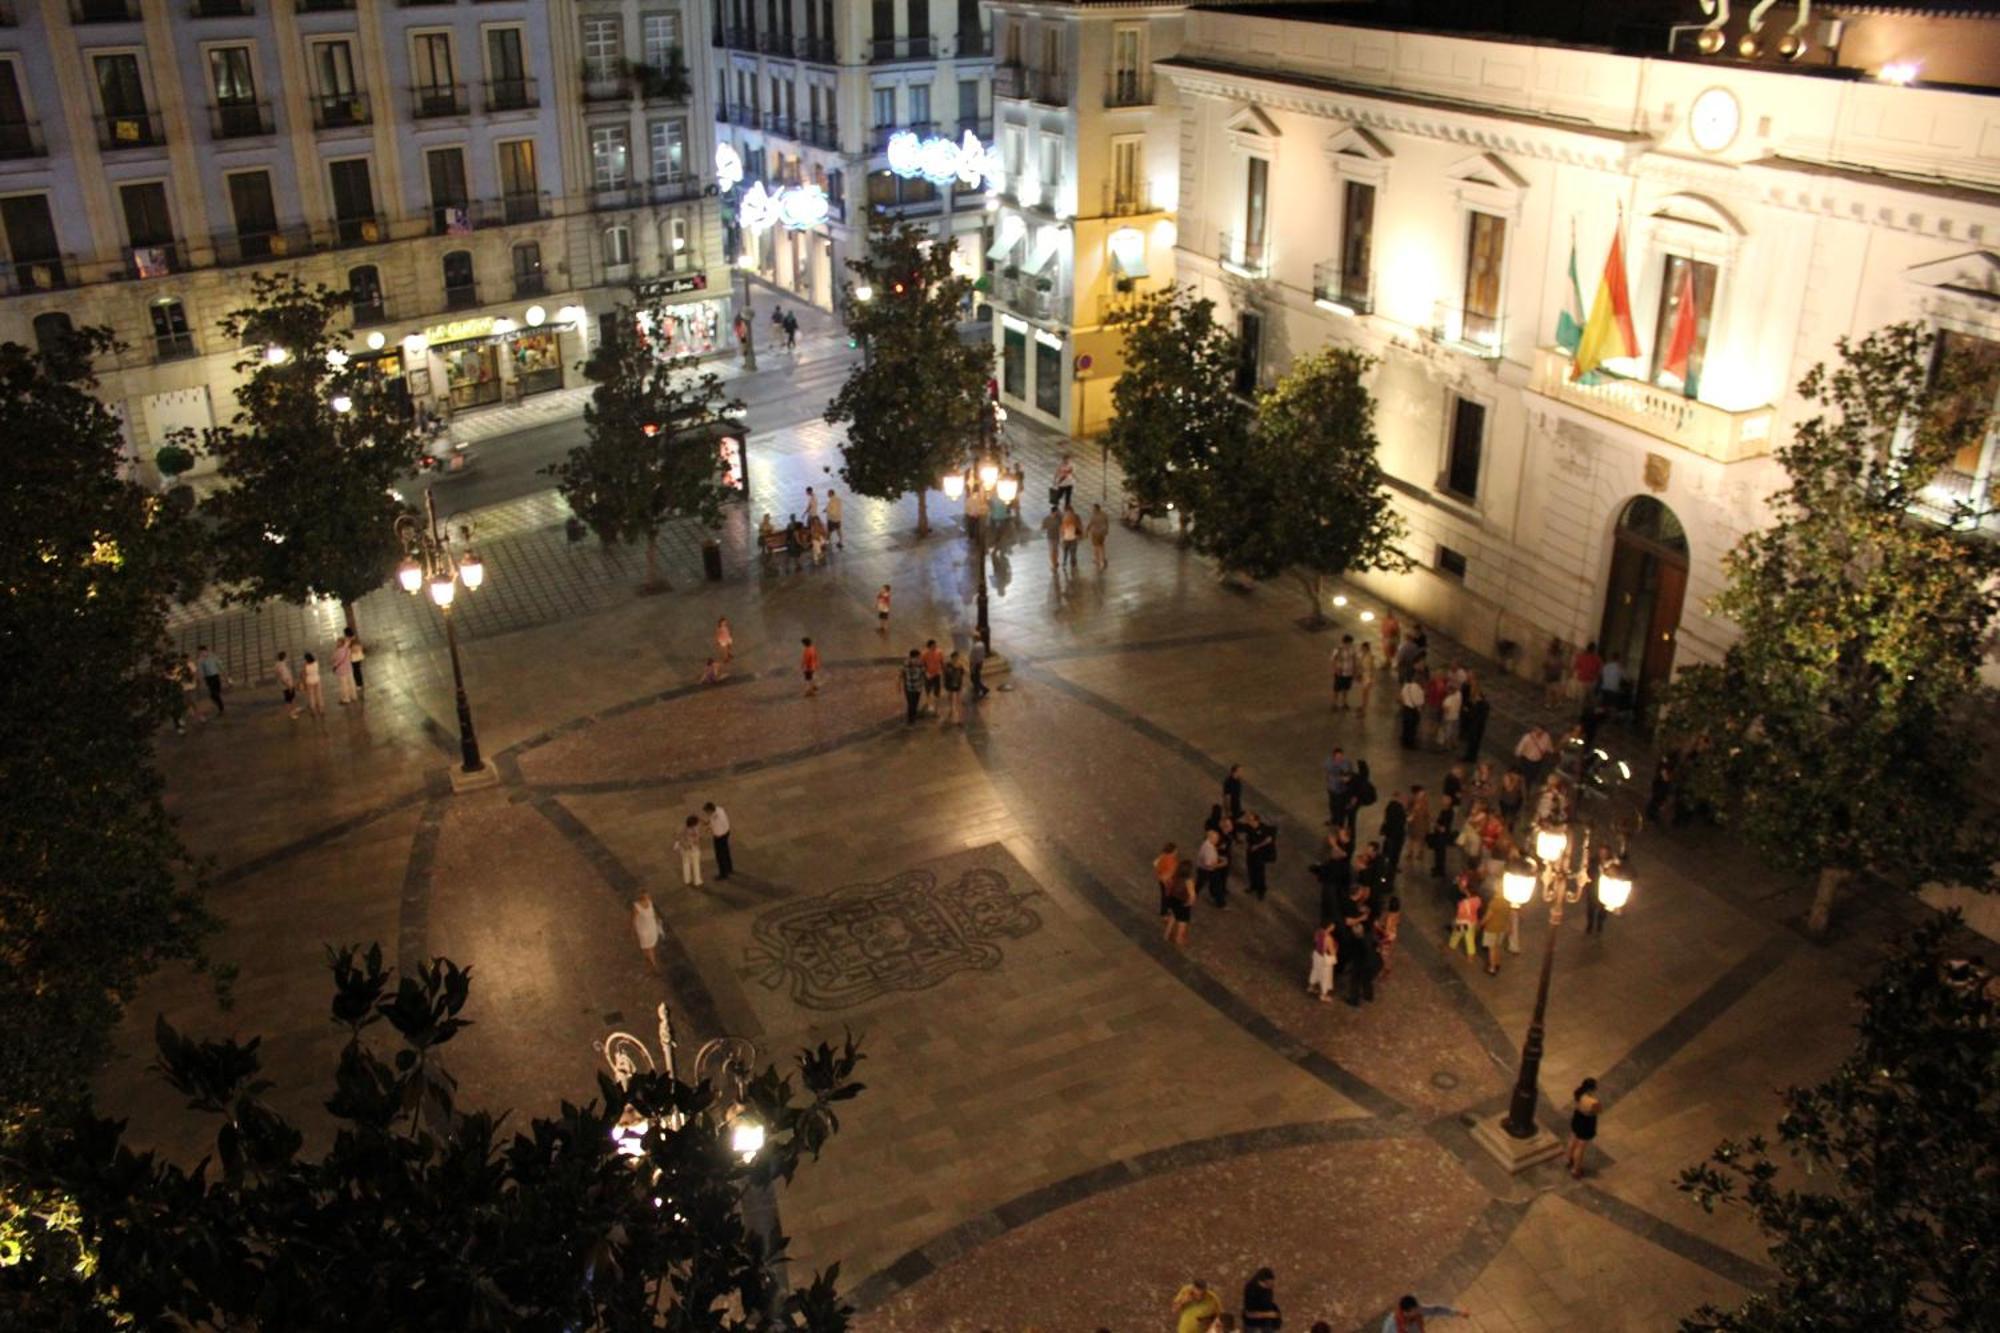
x=1064 y=1120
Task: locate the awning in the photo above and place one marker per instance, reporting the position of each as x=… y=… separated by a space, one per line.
x=1128 y=252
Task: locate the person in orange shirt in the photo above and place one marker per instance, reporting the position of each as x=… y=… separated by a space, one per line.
x=1166 y=872
x=809 y=666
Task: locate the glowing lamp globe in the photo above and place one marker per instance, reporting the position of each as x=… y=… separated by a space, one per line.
x=1518 y=883
x=341 y=403
x=1614 y=887
x=747 y=1138
x=473 y=571
x=410 y=576
x=1010 y=486
x=1550 y=843
x=989 y=474
x=376 y=341
x=443 y=590
x=954 y=485
x=864 y=293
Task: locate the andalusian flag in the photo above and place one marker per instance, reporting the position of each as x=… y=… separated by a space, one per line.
x=1679 y=360
x=1569 y=324
x=1609 y=330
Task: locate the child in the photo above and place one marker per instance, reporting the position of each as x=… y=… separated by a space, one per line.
x=882 y=610
x=1320 y=980
x=809 y=665
x=288 y=685
x=1465 y=925
x=710 y=673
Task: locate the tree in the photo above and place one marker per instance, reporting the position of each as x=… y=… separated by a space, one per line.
x=652 y=426
x=1305 y=495
x=419 y=1214
x=98 y=890
x=1898 y=1226
x=310 y=457
x=1833 y=733
x=1175 y=412
x=914 y=405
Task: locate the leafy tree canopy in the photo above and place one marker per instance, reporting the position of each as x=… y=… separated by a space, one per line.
x=913 y=407
x=1833 y=733
x=1176 y=415
x=1306 y=493
x=418 y=1214
x=307 y=510
x=651 y=432
x=1896 y=1223
x=97 y=889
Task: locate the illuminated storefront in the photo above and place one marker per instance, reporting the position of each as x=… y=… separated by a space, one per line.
x=464 y=364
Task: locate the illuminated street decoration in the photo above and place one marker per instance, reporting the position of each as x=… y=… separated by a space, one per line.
x=794 y=207
x=728 y=168
x=940 y=161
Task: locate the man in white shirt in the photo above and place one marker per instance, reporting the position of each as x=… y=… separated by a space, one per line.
x=833 y=512
x=1213 y=867
x=1535 y=751
x=1411 y=700
x=718 y=828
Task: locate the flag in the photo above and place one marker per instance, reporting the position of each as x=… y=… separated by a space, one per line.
x=1680 y=345
x=1608 y=332
x=1569 y=324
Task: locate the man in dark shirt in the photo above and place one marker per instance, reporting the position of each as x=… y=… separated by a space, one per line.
x=1260 y=848
x=1395 y=830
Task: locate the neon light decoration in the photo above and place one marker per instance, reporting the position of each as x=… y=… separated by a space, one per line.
x=940 y=161
x=794 y=207
x=728 y=168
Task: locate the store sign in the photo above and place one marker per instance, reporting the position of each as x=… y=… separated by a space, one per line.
x=794 y=207
x=693 y=282
x=458 y=330
x=940 y=161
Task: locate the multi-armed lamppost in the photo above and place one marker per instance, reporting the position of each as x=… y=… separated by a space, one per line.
x=431 y=562
x=989 y=481
x=1560 y=872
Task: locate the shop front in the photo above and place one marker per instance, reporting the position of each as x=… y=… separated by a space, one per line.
x=537 y=357
x=687 y=327
x=471 y=372
x=472 y=363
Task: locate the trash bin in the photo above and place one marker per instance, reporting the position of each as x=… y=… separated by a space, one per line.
x=711 y=560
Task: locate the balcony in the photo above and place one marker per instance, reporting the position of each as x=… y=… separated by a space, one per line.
x=36 y=275
x=233 y=248
x=360 y=229
x=818 y=50
x=892 y=50
x=1342 y=293
x=668 y=83
x=1025 y=296
x=512 y=94
x=461 y=296
x=974 y=44
x=138 y=129
x=341 y=111
x=1476 y=331
x=369 y=308
x=530 y=284
x=1128 y=87
x=221 y=9
x=1129 y=199
x=819 y=134
x=778 y=124
x=1045 y=87
x=154 y=261
x=21 y=138
x=430 y=103
x=1242 y=256
x=878 y=138
x=776 y=44
x=103 y=11
x=612 y=198
x=740 y=39
x=240 y=120
x=1698 y=427
x=674 y=190
x=323 y=6
x=604 y=81
x=1960 y=500
x=512 y=209
x=173 y=346
x=1118 y=304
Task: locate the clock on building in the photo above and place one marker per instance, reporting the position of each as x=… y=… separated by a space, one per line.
x=1714 y=119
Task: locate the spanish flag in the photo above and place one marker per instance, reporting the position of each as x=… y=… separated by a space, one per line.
x=1679 y=358
x=1608 y=332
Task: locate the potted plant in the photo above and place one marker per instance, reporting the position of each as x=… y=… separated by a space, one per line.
x=172 y=460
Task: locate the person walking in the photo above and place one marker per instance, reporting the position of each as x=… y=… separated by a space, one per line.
x=1585 y=1107
x=978 y=665
x=357 y=654
x=1450 y=709
x=1358 y=954
x=1593 y=902
x=210 y=667
x=1195 y=1307
x=1325 y=955
x=1099 y=528
x=717 y=820
x=809 y=666
x=791 y=332
x=725 y=642
x=1260 y=1303
x=1496 y=923
x=1166 y=875
x=1585 y=670
x=1364 y=675
x=343 y=673
x=1418 y=810
x=1439 y=839
x=1410 y=1314
x=1065 y=483
x=1072 y=533
x=688 y=843
x=1346 y=663
x=1395 y=833
x=933 y=660
x=1339 y=770
x=288 y=684
x=812 y=505
x=912 y=679
x=646 y=929
x=1411 y=701
x=309 y=683
x=882 y=610
x=954 y=688
x=1513 y=795
x=1536 y=751
x=1052 y=531
x=834 y=510
x=1260 y=849
x=1183 y=904
x=1465 y=920
x=1213 y=867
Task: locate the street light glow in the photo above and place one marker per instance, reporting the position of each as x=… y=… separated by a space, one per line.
x=954 y=486
x=1614 y=886
x=1010 y=486
x=989 y=474
x=864 y=293
x=341 y=403
x=443 y=589
x=410 y=576
x=1518 y=883
x=1550 y=843
x=747 y=1139
x=473 y=570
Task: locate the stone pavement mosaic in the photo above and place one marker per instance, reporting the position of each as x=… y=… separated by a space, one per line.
x=1065 y=1118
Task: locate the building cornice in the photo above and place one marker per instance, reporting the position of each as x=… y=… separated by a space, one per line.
x=1375 y=108
x=1921 y=205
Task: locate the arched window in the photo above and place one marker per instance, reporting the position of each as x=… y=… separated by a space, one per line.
x=172 y=339
x=460 y=290
x=1650 y=521
x=617 y=246
x=53 y=331
x=364 y=285
x=528 y=277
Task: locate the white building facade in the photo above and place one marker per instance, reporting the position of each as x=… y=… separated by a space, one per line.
x=434 y=160
x=1415 y=196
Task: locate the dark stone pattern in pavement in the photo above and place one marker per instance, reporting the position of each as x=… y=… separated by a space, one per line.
x=1348 y=1223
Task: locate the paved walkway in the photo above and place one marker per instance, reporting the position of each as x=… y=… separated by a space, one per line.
x=1064 y=1118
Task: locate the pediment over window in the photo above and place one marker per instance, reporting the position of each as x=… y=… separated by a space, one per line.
x=1698 y=211
x=1253 y=123
x=1975 y=273
x=1357 y=144
x=1487 y=170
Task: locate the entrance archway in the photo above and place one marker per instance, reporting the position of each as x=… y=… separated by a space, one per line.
x=1642 y=598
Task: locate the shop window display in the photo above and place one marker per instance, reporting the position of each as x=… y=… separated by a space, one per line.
x=537 y=363
x=691 y=328
x=472 y=374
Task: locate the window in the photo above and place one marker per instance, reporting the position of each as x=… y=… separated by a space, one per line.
x=364 y=290
x=1357 y=244
x=528 y=277
x=883 y=27
x=885 y=108
x=431 y=65
x=968 y=104
x=610 y=158
x=617 y=246
x=1013 y=42
x=1014 y=361
x=918 y=14
x=17 y=136
x=119 y=87
x=1467 y=443
x=518 y=188
x=338 y=100
x=508 y=86
x=460 y=290
x=1249 y=351
x=31 y=240
x=970 y=36
x=1048 y=375
x=53 y=332
x=920 y=106
x=171 y=336
x=669 y=150
x=1972 y=365
x=603 y=49
x=449 y=199
x=1451 y=563
x=1127 y=81
x=1256 y=201
x=1051 y=164
x=1680 y=337
x=679 y=255
x=1485 y=253
x=661 y=34
x=236 y=113
x=1013 y=155
x=255 y=211
x=353 y=202
x=1125 y=175
x=1051 y=51
x=146 y=219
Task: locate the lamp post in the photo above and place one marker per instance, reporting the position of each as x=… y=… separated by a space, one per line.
x=431 y=562
x=745 y=261
x=731 y=1058
x=1560 y=872
x=989 y=481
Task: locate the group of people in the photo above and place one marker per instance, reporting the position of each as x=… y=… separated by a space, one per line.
x=936 y=682
x=1197 y=1308
x=1228 y=834
x=807 y=538
x=300 y=684
x=712 y=821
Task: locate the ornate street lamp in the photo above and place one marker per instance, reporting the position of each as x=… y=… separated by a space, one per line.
x=730 y=1058
x=431 y=561
x=744 y=263
x=988 y=481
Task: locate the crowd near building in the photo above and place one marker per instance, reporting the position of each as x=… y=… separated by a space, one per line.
x=488 y=178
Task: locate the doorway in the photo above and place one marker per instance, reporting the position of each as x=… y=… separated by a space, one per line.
x=1643 y=596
